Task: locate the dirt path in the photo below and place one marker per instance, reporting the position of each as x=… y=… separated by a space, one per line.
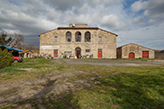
x=112 y=62
x=39 y=88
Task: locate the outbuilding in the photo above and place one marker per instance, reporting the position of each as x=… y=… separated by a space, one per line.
x=134 y=51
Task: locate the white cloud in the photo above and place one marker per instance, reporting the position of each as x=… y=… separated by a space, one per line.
x=32 y=17
x=139 y=5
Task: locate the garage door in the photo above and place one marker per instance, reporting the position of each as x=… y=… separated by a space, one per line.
x=131 y=55
x=145 y=54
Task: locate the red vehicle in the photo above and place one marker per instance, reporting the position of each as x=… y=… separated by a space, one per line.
x=15 y=53
x=18 y=59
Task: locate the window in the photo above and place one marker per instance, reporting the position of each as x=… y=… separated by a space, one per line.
x=100 y=39
x=99 y=49
x=68 y=36
x=87 y=50
x=78 y=37
x=56 y=38
x=87 y=37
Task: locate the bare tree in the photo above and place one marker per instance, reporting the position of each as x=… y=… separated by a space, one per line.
x=30 y=47
x=13 y=40
x=4 y=39
x=17 y=40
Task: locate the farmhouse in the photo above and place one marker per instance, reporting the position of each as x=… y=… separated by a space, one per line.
x=78 y=40
x=134 y=51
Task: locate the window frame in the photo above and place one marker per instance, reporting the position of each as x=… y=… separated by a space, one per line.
x=67 y=37
x=100 y=39
x=87 y=50
x=56 y=38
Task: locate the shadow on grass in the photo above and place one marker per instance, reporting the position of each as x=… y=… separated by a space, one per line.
x=132 y=91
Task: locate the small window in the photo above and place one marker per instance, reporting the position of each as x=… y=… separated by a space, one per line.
x=100 y=39
x=99 y=49
x=56 y=38
x=87 y=50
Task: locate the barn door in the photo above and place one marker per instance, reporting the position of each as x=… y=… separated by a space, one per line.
x=99 y=53
x=55 y=53
x=145 y=54
x=131 y=55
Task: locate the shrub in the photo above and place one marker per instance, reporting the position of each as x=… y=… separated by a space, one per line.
x=6 y=58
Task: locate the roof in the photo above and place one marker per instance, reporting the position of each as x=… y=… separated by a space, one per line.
x=9 y=48
x=33 y=51
x=79 y=28
x=133 y=44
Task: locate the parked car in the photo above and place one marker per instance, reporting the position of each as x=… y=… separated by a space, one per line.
x=18 y=59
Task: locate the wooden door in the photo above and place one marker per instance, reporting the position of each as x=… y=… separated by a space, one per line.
x=78 y=54
x=145 y=54
x=131 y=55
x=55 y=53
x=99 y=53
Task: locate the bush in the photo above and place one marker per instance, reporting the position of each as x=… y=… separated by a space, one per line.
x=6 y=58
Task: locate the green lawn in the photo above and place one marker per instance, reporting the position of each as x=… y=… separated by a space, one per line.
x=122 y=87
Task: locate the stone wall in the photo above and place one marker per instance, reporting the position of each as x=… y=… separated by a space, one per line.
x=136 y=49
x=108 y=44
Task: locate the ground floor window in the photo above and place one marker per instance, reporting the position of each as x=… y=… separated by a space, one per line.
x=87 y=50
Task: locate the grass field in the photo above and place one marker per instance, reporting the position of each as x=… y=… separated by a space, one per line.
x=115 y=87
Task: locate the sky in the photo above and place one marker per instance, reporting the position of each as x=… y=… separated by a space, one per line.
x=135 y=21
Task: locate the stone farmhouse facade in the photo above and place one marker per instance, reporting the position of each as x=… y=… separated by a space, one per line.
x=134 y=51
x=77 y=41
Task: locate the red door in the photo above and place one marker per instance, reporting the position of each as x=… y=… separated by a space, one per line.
x=99 y=53
x=145 y=54
x=55 y=53
x=78 y=54
x=131 y=55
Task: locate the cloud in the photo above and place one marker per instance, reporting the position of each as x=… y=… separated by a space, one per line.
x=33 y=17
x=151 y=36
x=139 y=5
x=154 y=10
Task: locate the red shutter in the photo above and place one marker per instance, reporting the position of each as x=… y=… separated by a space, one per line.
x=145 y=54
x=55 y=53
x=99 y=54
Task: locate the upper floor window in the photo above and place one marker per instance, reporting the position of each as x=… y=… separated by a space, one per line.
x=100 y=39
x=78 y=37
x=87 y=37
x=56 y=38
x=68 y=36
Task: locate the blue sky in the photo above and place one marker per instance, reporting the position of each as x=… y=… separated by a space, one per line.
x=135 y=21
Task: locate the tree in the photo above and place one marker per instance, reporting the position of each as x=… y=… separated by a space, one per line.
x=3 y=38
x=6 y=58
x=30 y=47
x=14 y=40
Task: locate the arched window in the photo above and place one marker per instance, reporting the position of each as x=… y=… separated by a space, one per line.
x=68 y=36
x=87 y=37
x=78 y=37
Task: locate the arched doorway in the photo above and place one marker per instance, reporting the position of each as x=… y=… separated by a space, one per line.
x=131 y=55
x=78 y=52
